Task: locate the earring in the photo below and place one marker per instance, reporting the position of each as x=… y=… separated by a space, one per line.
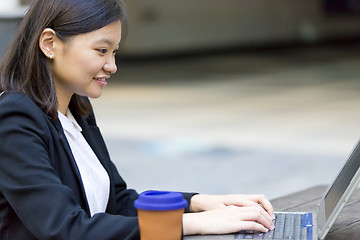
x=51 y=56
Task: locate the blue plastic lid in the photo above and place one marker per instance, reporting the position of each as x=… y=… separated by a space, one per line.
x=160 y=201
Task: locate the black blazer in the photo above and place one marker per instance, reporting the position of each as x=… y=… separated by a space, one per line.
x=41 y=192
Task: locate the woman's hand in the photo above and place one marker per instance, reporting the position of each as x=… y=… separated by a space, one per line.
x=202 y=202
x=227 y=219
x=221 y=214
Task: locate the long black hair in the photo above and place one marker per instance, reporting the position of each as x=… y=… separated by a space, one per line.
x=25 y=68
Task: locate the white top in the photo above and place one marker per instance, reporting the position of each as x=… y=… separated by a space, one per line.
x=94 y=177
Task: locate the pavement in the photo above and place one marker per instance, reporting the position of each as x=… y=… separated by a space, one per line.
x=270 y=121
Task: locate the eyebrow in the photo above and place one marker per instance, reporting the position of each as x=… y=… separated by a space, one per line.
x=107 y=41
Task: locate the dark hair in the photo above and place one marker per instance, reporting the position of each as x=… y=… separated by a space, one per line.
x=25 y=68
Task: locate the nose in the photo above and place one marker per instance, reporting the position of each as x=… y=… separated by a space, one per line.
x=110 y=66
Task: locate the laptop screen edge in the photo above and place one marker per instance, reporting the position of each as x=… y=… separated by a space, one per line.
x=324 y=222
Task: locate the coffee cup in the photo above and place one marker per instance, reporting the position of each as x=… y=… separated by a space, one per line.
x=160 y=215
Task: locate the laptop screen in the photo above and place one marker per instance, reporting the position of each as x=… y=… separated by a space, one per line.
x=342 y=181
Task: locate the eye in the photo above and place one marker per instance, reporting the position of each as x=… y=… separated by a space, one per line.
x=115 y=52
x=103 y=50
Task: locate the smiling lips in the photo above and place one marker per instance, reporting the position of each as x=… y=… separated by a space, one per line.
x=101 y=81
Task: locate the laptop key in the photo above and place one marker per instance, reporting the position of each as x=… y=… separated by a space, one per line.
x=249 y=236
x=269 y=235
x=310 y=233
x=297 y=227
x=289 y=226
x=279 y=226
x=259 y=235
x=307 y=220
x=303 y=235
x=240 y=235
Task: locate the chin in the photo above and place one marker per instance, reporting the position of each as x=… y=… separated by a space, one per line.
x=91 y=94
x=94 y=95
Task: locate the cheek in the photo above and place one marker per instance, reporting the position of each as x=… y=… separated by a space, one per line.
x=89 y=64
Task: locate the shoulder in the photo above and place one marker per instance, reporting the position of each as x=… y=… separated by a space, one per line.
x=16 y=100
x=17 y=106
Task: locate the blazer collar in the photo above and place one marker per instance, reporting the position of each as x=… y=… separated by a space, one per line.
x=72 y=161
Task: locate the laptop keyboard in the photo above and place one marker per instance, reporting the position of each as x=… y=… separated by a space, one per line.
x=297 y=226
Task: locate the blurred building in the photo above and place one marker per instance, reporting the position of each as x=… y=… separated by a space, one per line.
x=170 y=25
x=163 y=26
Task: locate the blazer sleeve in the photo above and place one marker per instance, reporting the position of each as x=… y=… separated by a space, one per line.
x=45 y=206
x=124 y=197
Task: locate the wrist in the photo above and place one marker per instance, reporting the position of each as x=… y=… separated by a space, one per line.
x=196 y=203
x=190 y=224
x=205 y=202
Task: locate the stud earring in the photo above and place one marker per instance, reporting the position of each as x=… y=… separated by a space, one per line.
x=51 y=56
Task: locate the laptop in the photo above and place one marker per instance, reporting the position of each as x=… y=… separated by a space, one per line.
x=308 y=225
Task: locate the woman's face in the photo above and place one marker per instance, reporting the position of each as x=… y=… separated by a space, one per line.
x=83 y=63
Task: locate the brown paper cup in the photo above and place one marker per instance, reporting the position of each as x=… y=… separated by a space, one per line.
x=160 y=215
x=160 y=225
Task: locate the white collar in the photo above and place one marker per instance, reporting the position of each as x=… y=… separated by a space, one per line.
x=69 y=123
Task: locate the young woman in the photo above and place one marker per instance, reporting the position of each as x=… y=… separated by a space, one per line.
x=56 y=177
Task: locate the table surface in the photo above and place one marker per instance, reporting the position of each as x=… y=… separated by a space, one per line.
x=346 y=226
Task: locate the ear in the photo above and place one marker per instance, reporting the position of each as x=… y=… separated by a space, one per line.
x=47 y=42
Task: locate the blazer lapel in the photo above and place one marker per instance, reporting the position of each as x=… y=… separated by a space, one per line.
x=94 y=138
x=72 y=161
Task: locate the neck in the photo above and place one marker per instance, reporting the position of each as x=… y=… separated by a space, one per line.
x=63 y=101
x=63 y=108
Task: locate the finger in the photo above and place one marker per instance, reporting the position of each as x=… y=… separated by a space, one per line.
x=261 y=199
x=242 y=202
x=250 y=225
x=255 y=209
x=267 y=206
x=256 y=214
x=258 y=209
x=262 y=219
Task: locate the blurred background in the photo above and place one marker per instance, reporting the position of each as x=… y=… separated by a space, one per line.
x=231 y=96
